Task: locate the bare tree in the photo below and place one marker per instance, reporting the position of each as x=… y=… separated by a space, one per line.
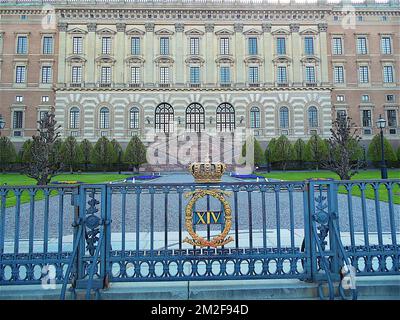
x=44 y=163
x=344 y=149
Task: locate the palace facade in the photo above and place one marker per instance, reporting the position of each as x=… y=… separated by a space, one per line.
x=126 y=68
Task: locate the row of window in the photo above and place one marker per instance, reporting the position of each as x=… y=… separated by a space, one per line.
x=194 y=46
x=46 y=74
x=47 y=45
x=361 y=45
x=363 y=74
x=194 y=116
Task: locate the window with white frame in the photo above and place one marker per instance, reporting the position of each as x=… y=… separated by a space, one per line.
x=366 y=118
x=135 y=46
x=106 y=45
x=225 y=74
x=281 y=45
x=47 y=45
x=310 y=74
x=135 y=74
x=362 y=45
x=312 y=117
x=337 y=46
x=281 y=75
x=363 y=74
x=22 y=45
x=255 y=117
x=42 y=114
x=134 y=118
x=365 y=98
x=391 y=117
x=194 y=46
x=105 y=75
x=388 y=74
x=76 y=76
x=253 y=49
x=104 y=118
x=74 y=118
x=20 y=74
x=164 y=74
x=164 y=46
x=45 y=98
x=18 y=118
x=340 y=114
x=224 y=46
x=253 y=75
x=284 y=117
x=340 y=98
x=194 y=75
x=19 y=98
x=46 y=74
x=386 y=45
x=77 y=45
x=308 y=45
x=338 y=74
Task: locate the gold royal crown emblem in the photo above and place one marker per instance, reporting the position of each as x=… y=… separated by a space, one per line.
x=207 y=172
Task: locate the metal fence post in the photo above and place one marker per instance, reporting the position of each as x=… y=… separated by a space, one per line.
x=333 y=241
x=309 y=266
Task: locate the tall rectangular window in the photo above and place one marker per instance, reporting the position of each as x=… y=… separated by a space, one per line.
x=106 y=45
x=362 y=45
x=224 y=46
x=106 y=75
x=164 y=46
x=338 y=74
x=22 y=45
x=18 y=117
x=164 y=75
x=135 y=45
x=366 y=118
x=77 y=45
x=46 y=74
x=225 y=75
x=253 y=75
x=20 y=76
x=281 y=75
x=280 y=45
x=310 y=74
x=195 y=75
x=194 y=46
x=135 y=74
x=309 y=45
x=76 y=74
x=391 y=116
x=337 y=47
x=386 y=45
x=47 y=45
x=363 y=74
x=253 y=50
x=388 y=74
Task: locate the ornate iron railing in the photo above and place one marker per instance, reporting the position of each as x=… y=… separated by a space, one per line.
x=89 y=235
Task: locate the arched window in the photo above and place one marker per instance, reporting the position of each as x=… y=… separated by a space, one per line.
x=74 y=118
x=164 y=118
x=225 y=117
x=104 y=118
x=195 y=120
x=134 y=118
x=284 y=117
x=312 y=117
x=254 y=117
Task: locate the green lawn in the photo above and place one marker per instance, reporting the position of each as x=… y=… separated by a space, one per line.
x=15 y=179
x=362 y=175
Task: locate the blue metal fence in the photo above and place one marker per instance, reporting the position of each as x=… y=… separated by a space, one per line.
x=90 y=235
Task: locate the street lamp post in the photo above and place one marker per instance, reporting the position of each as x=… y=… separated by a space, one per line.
x=2 y=123
x=381 y=124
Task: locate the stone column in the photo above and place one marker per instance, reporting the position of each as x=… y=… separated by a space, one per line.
x=240 y=46
x=210 y=56
x=179 y=55
x=296 y=72
x=268 y=55
x=323 y=67
x=149 y=52
x=62 y=49
x=119 y=49
x=91 y=54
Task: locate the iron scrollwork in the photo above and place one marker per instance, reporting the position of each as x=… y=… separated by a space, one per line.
x=92 y=224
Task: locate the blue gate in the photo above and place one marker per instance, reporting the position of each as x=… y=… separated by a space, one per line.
x=86 y=236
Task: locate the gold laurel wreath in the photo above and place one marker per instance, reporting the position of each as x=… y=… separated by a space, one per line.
x=218 y=240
